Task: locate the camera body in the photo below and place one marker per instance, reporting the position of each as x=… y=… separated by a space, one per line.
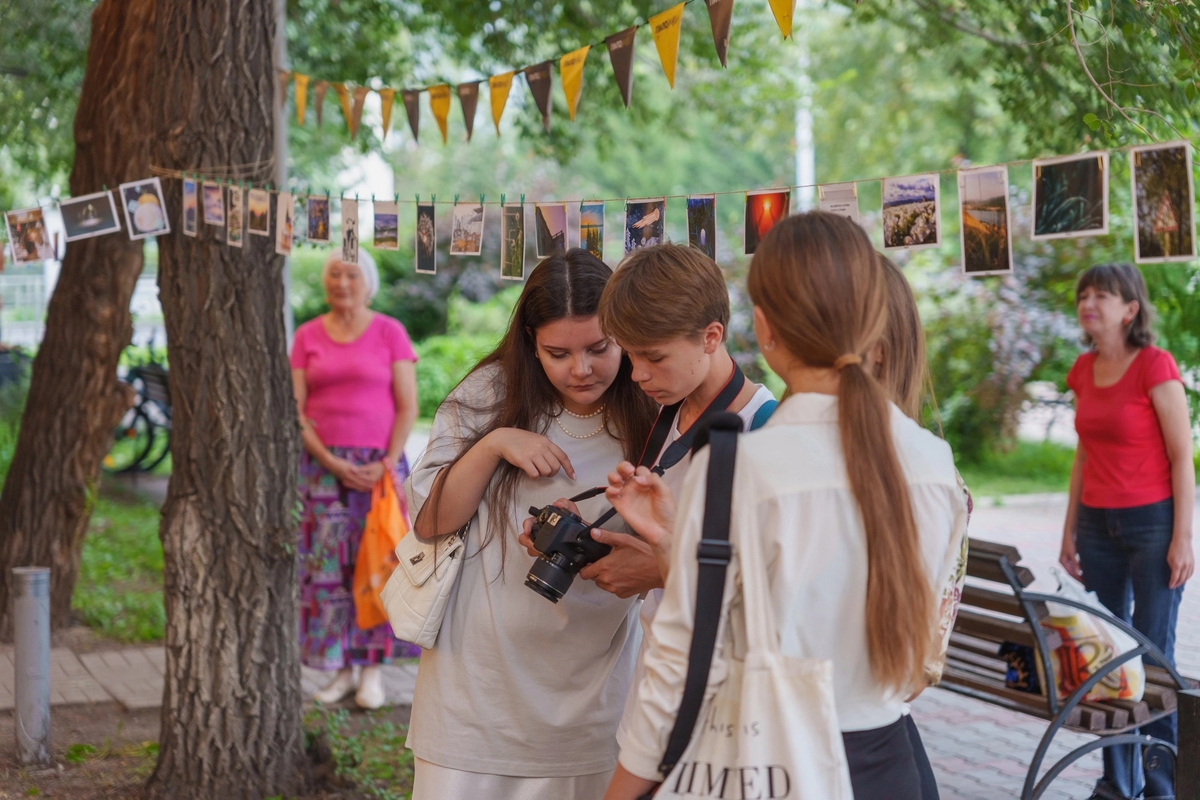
x=566 y=546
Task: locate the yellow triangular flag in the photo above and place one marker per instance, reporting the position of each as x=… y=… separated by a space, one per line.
x=301 y=97
x=571 y=68
x=665 y=27
x=498 y=89
x=386 y=98
x=782 y=9
x=344 y=99
x=439 y=104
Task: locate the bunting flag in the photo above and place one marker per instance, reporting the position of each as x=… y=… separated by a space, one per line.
x=498 y=89
x=571 y=70
x=468 y=98
x=782 y=9
x=344 y=99
x=386 y=98
x=319 y=98
x=360 y=95
x=538 y=77
x=665 y=27
x=412 y=99
x=284 y=78
x=439 y=104
x=720 y=12
x=620 y=53
x=301 y=97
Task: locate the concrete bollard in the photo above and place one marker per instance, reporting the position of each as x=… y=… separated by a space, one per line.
x=31 y=646
x=1187 y=766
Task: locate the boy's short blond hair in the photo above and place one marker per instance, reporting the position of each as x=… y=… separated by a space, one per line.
x=664 y=292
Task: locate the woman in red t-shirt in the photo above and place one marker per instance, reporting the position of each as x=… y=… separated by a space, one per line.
x=1128 y=532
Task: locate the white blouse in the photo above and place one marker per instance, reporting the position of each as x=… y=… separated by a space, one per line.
x=790 y=485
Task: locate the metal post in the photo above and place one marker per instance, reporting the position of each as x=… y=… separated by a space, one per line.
x=1187 y=764
x=31 y=646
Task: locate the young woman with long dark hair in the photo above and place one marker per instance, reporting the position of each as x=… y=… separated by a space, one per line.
x=520 y=697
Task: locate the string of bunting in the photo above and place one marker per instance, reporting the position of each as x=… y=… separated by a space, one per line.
x=665 y=28
x=1070 y=199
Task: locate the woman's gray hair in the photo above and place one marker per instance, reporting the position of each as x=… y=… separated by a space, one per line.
x=366 y=264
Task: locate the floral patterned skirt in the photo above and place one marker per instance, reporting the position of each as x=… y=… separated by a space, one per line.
x=331 y=529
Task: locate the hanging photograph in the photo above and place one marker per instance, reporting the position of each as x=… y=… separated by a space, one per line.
x=645 y=221
x=95 y=215
x=235 y=230
x=551 y=222
x=1070 y=196
x=983 y=216
x=426 y=239
x=285 y=219
x=466 y=229
x=350 y=231
x=191 y=211
x=1164 y=201
x=910 y=212
x=258 y=202
x=214 y=203
x=591 y=228
x=387 y=227
x=144 y=208
x=840 y=199
x=318 y=219
x=702 y=224
x=512 y=242
x=28 y=237
x=763 y=210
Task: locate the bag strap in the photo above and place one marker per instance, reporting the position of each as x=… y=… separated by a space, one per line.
x=684 y=444
x=714 y=553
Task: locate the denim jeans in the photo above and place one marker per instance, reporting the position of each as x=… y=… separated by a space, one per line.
x=1123 y=553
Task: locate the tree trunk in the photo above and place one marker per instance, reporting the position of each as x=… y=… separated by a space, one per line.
x=75 y=400
x=231 y=725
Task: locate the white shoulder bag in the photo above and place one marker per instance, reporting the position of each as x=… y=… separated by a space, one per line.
x=416 y=594
x=770 y=730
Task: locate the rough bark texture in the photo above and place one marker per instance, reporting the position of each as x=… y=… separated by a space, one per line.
x=231 y=724
x=75 y=400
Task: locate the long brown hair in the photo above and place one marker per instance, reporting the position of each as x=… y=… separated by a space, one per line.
x=903 y=370
x=818 y=281
x=561 y=286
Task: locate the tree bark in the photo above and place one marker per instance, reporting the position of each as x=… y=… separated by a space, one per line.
x=231 y=724
x=75 y=400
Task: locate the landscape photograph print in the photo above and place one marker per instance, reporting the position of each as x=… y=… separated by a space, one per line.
x=318 y=219
x=1164 y=200
x=1070 y=196
x=763 y=210
x=983 y=216
x=144 y=207
x=910 y=212
x=551 y=226
x=190 y=207
x=466 y=229
x=512 y=242
x=591 y=228
x=387 y=226
x=258 y=204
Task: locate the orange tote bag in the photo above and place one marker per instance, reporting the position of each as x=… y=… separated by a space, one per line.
x=384 y=528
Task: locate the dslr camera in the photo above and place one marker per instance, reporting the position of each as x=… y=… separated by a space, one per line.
x=566 y=546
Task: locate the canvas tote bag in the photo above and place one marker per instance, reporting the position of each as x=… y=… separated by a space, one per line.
x=770 y=731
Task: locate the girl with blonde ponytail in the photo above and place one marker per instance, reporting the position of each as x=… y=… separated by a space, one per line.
x=856 y=501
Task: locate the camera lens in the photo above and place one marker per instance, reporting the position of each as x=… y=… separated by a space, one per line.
x=549 y=580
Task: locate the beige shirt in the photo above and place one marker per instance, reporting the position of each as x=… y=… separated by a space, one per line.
x=515 y=684
x=790 y=486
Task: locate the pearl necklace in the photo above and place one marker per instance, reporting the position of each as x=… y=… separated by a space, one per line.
x=563 y=428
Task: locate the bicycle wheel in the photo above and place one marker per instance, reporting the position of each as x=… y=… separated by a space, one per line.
x=132 y=442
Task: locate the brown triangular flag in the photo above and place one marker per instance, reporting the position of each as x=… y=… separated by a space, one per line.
x=319 y=98
x=284 y=78
x=360 y=94
x=386 y=98
x=412 y=107
x=720 y=12
x=620 y=53
x=538 y=77
x=468 y=96
x=344 y=99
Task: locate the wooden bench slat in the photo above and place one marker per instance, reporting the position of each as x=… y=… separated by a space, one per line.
x=973 y=644
x=984 y=626
x=1002 y=602
x=989 y=570
x=1139 y=712
x=1093 y=718
x=983 y=549
x=1114 y=717
x=1160 y=698
x=996 y=692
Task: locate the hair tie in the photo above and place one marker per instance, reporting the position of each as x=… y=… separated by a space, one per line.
x=844 y=361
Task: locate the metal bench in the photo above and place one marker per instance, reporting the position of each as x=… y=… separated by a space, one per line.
x=995 y=609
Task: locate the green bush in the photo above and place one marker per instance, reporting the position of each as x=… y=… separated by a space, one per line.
x=12 y=405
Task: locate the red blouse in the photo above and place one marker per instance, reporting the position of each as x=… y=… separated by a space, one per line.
x=1127 y=463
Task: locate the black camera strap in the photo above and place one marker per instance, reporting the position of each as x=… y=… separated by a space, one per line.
x=667 y=416
x=714 y=553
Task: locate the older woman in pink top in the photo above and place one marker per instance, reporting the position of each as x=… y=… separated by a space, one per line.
x=354 y=375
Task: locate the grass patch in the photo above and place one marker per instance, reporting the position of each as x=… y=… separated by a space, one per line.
x=373 y=758
x=1028 y=468
x=120 y=588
